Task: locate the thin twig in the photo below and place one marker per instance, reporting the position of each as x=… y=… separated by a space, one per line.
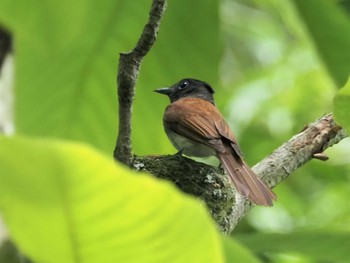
x=128 y=71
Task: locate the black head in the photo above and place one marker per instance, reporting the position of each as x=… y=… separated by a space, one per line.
x=188 y=88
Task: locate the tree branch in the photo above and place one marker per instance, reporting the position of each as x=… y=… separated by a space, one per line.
x=212 y=186
x=128 y=70
x=5 y=45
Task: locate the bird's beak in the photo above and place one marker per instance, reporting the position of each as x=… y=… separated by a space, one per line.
x=165 y=90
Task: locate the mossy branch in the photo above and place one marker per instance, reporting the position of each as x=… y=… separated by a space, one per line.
x=212 y=186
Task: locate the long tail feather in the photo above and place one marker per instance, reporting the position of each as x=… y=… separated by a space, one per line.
x=245 y=180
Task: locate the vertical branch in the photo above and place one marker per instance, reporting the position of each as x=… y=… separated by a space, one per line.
x=128 y=71
x=6 y=85
x=5 y=44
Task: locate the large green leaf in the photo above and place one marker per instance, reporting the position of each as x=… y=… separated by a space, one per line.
x=65 y=66
x=66 y=60
x=341 y=107
x=319 y=246
x=329 y=28
x=64 y=202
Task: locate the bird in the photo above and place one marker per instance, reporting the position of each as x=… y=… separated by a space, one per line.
x=196 y=128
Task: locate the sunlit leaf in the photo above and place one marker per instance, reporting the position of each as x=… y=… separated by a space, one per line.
x=65 y=202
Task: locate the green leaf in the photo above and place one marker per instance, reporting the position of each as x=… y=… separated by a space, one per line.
x=65 y=67
x=235 y=252
x=320 y=246
x=66 y=61
x=64 y=202
x=341 y=107
x=329 y=27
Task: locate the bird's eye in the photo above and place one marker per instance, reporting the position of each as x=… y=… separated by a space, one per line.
x=183 y=85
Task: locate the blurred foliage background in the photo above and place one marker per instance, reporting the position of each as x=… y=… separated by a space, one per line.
x=269 y=64
x=277 y=82
x=280 y=84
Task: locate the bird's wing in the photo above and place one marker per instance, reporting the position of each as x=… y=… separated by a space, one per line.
x=225 y=131
x=200 y=121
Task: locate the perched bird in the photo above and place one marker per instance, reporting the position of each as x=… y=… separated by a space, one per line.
x=196 y=128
